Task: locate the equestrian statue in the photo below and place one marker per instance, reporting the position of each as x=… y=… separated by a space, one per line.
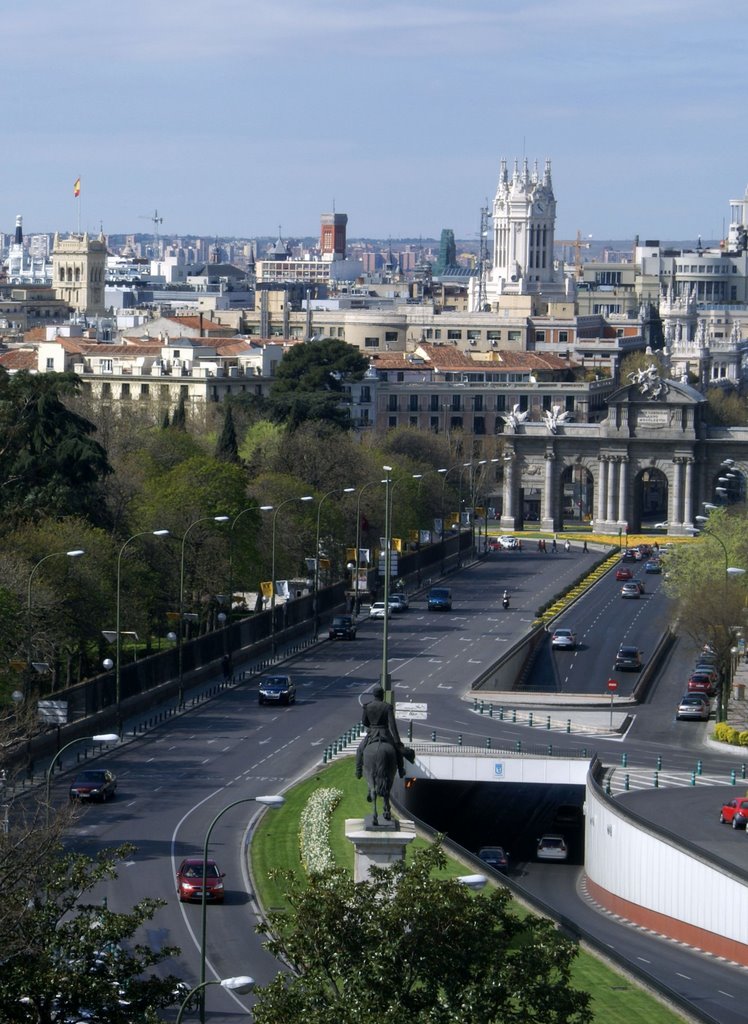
x=381 y=753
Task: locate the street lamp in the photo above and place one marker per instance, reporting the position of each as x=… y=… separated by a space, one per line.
x=242 y=985
x=202 y=519
x=343 y=490
x=237 y=517
x=446 y=473
x=118 y=638
x=104 y=737
x=386 y=681
x=275 y=802
x=361 y=490
x=75 y=553
x=288 y=501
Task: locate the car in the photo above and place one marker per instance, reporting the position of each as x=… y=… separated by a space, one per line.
x=93 y=785
x=735 y=812
x=508 y=543
x=552 y=847
x=706 y=670
x=652 y=567
x=399 y=602
x=639 y=583
x=376 y=609
x=190 y=880
x=693 y=706
x=279 y=689
x=628 y=556
x=439 y=599
x=700 y=683
x=494 y=544
x=342 y=627
x=631 y=590
x=628 y=658
x=496 y=857
x=623 y=573
x=563 y=639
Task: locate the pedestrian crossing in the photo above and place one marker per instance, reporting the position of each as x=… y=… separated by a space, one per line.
x=619 y=780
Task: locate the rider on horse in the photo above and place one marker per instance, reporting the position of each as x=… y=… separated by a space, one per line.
x=379 y=719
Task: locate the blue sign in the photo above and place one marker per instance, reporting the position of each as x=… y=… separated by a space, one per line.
x=498 y=769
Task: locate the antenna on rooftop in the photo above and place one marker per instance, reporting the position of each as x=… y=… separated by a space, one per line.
x=155 y=220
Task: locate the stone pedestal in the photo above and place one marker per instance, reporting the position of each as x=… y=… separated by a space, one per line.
x=380 y=846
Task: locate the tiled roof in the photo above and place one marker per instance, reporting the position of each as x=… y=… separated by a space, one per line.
x=19 y=359
x=195 y=323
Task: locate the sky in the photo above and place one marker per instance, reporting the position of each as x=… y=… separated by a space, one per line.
x=244 y=118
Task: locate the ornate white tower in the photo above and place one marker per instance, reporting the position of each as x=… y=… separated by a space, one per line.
x=524 y=218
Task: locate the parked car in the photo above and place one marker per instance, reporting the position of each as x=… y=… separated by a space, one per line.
x=496 y=857
x=563 y=639
x=342 y=627
x=440 y=598
x=735 y=812
x=706 y=670
x=693 y=706
x=93 y=785
x=277 y=690
x=631 y=590
x=628 y=658
x=552 y=847
x=399 y=602
x=190 y=880
x=509 y=543
x=699 y=683
x=623 y=573
x=652 y=567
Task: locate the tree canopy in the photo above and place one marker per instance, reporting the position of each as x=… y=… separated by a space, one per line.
x=407 y=945
x=310 y=382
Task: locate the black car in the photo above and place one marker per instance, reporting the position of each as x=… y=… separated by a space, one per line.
x=496 y=857
x=94 y=784
x=342 y=627
x=628 y=657
x=277 y=690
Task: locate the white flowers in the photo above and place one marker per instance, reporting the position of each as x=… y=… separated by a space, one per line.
x=314 y=833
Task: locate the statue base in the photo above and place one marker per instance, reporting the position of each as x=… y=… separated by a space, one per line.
x=382 y=825
x=377 y=845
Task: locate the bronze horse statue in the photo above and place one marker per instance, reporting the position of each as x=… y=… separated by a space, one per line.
x=380 y=767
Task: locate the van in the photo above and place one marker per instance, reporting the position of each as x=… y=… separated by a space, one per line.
x=439 y=599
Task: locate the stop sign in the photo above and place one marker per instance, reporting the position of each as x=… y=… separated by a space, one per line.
x=612 y=684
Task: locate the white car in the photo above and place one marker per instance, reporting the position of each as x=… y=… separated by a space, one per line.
x=399 y=602
x=376 y=610
x=508 y=543
x=564 y=639
x=552 y=848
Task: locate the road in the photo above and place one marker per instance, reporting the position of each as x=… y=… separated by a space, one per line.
x=176 y=779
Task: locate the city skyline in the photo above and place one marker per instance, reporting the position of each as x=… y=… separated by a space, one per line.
x=245 y=119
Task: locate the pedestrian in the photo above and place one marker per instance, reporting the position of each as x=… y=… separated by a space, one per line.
x=584 y=548
x=226 y=667
x=540 y=543
x=567 y=546
x=554 y=546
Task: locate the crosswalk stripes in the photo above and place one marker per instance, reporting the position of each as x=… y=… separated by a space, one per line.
x=623 y=780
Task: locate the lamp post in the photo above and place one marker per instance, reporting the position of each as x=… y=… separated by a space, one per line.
x=237 y=517
x=386 y=681
x=242 y=984
x=202 y=519
x=75 y=553
x=105 y=737
x=361 y=490
x=343 y=490
x=269 y=801
x=118 y=638
x=288 y=501
x=446 y=473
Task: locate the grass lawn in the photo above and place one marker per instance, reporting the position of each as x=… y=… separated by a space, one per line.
x=616 y=1000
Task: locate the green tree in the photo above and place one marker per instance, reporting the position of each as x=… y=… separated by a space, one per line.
x=407 y=945
x=49 y=462
x=179 y=417
x=726 y=408
x=310 y=382
x=63 y=957
x=227 y=446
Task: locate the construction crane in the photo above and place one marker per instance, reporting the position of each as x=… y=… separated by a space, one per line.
x=155 y=220
x=577 y=245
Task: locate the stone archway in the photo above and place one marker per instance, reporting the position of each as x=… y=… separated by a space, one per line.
x=576 y=495
x=650 y=498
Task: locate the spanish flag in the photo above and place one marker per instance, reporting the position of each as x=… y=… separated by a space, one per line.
x=77 y=188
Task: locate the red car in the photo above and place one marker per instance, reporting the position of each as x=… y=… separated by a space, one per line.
x=701 y=683
x=190 y=880
x=622 y=573
x=735 y=812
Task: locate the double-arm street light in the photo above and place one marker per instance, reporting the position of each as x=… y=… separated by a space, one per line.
x=237 y=517
x=356 y=588
x=202 y=519
x=105 y=737
x=118 y=638
x=385 y=675
x=75 y=553
x=288 y=501
x=241 y=985
x=274 y=801
x=335 y=490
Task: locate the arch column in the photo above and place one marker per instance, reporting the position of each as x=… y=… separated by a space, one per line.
x=688 y=495
x=602 y=490
x=676 y=499
x=611 y=513
x=548 y=518
x=507 y=512
x=623 y=466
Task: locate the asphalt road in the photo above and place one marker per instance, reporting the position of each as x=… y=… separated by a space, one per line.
x=176 y=779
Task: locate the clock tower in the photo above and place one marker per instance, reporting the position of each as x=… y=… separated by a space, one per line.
x=524 y=218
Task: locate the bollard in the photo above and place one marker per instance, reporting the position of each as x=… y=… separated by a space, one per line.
x=459 y=739
x=490 y=710
x=475 y=703
x=501 y=714
x=433 y=735
x=488 y=742
x=324 y=756
x=568 y=725
x=626 y=781
x=607 y=786
x=693 y=778
x=550 y=750
x=584 y=751
x=656 y=780
x=742 y=771
x=548 y=722
x=659 y=762
x=514 y=714
x=518 y=746
x=529 y=719
x=410 y=730
x=481 y=707
x=624 y=760
x=733 y=776
x=699 y=767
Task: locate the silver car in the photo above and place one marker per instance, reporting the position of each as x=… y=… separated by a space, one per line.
x=552 y=848
x=564 y=639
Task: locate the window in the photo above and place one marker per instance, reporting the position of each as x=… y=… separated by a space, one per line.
x=473 y=336
x=392 y=403
x=50 y=363
x=371 y=342
x=390 y=336
x=563 y=337
x=413 y=403
x=514 y=335
x=454 y=335
x=176 y=354
x=434 y=424
x=392 y=422
x=106 y=365
x=500 y=403
x=456 y=422
x=413 y=421
x=144 y=389
x=434 y=403
x=456 y=403
x=493 y=335
x=547 y=403
x=478 y=403
x=125 y=392
x=539 y=335
x=524 y=403
x=106 y=390
x=365 y=395
x=479 y=425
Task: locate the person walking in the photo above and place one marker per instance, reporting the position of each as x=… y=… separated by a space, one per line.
x=584 y=548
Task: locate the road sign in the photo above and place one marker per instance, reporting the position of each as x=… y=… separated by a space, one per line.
x=411 y=710
x=612 y=685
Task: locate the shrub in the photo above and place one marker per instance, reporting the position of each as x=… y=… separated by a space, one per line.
x=721 y=731
x=743 y=738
